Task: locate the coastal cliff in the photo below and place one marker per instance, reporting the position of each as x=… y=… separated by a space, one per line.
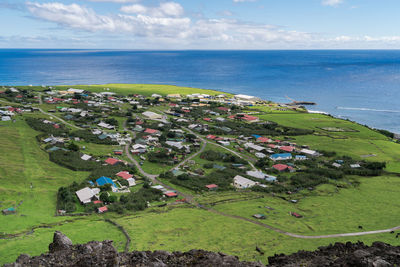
x=63 y=253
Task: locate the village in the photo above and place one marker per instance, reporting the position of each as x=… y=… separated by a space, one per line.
x=158 y=150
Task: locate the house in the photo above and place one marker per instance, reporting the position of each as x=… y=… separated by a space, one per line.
x=156 y=95
x=124 y=174
x=263 y=140
x=287 y=148
x=5 y=118
x=212 y=187
x=337 y=165
x=86 y=157
x=254 y=147
x=210 y=136
x=152 y=115
x=106 y=125
x=178 y=145
x=261 y=175
x=244 y=117
x=105 y=180
x=300 y=157
x=260 y=155
x=224 y=143
x=259 y=216
x=295 y=214
x=131 y=182
x=9 y=211
x=355 y=165
x=151 y=131
x=102 y=209
x=112 y=161
x=282 y=167
x=174 y=96
x=282 y=156
x=309 y=152
x=86 y=194
x=170 y=194
x=241 y=183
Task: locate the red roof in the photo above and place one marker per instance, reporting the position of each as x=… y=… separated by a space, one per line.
x=243 y=117
x=249 y=118
x=112 y=161
x=56 y=126
x=171 y=194
x=103 y=209
x=139 y=122
x=210 y=136
x=172 y=104
x=280 y=167
x=150 y=131
x=185 y=110
x=19 y=96
x=211 y=186
x=57 y=99
x=287 y=148
x=263 y=140
x=117 y=152
x=223 y=108
x=271 y=145
x=97 y=202
x=295 y=214
x=125 y=175
x=207 y=119
x=219 y=139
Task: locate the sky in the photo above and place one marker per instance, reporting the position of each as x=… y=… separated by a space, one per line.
x=200 y=24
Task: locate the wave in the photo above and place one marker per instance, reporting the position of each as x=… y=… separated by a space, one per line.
x=370 y=109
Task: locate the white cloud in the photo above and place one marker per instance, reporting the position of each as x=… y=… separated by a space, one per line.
x=332 y=2
x=169 y=9
x=165 y=26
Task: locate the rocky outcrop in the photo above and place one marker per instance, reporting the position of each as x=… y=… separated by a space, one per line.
x=339 y=254
x=63 y=253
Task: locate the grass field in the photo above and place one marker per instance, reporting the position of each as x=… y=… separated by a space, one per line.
x=372 y=205
x=143 y=89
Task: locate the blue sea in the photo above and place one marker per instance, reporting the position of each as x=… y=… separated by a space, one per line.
x=360 y=85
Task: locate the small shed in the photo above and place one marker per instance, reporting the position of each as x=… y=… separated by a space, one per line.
x=212 y=187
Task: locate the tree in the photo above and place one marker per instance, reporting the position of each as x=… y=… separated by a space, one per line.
x=104 y=197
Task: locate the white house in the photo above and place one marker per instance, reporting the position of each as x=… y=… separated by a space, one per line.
x=152 y=115
x=85 y=195
x=86 y=157
x=240 y=182
x=254 y=147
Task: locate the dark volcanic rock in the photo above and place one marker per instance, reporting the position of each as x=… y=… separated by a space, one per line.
x=64 y=253
x=339 y=254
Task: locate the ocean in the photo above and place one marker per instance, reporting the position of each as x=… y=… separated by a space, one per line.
x=360 y=85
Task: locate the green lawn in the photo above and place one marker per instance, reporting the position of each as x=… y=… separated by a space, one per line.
x=372 y=205
x=144 y=89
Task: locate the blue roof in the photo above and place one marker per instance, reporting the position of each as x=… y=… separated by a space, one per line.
x=281 y=155
x=300 y=157
x=104 y=180
x=256 y=135
x=271 y=179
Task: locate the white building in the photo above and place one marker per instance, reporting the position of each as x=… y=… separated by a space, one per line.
x=240 y=182
x=152 y=115
x=86 y=194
